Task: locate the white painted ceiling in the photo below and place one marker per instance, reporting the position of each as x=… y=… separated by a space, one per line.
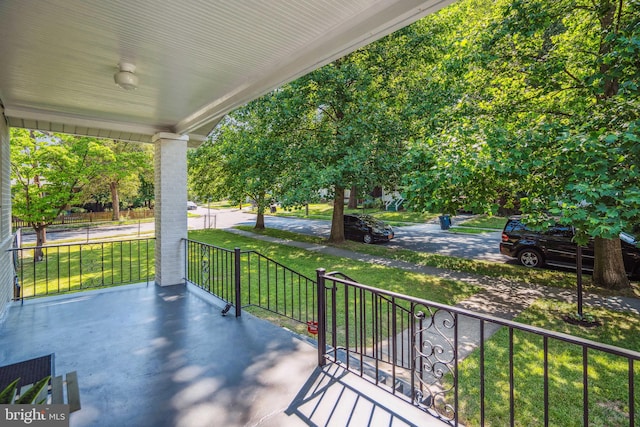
x=196 y=60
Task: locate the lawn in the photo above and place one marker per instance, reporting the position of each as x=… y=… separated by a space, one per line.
x=479 y=224
x=513 y=272
x=74 y=267
x=260 y=287
x=306 y=262
x=325 y=211
x=485 y=221
x=607 y=375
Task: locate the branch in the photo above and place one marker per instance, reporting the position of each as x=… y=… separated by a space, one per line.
x=574 y=78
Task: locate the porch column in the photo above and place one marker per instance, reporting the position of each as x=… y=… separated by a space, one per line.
x=170 y=207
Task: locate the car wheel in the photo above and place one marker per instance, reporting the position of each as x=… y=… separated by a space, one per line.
x=530 y=258
x=367 y=238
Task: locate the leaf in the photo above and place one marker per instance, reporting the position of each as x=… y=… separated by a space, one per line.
x=9 y=393
x=32 y=393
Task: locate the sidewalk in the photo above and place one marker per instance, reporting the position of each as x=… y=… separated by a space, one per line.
x=501 y=298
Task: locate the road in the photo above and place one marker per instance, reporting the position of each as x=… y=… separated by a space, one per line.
x=419 y=237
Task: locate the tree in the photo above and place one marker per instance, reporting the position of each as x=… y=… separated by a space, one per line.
x=351 y=135
x=48 y=172
x=244 y=157
x=575 y=64
x=451 y=164
x=535 y=100
x=120 y=169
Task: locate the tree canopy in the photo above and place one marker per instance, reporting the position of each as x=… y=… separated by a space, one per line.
x=487 y=105
x=48 y=172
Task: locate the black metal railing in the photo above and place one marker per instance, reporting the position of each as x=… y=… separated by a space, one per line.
x=438 y=358
x=248 y=278
x=212 y=269
x=55 y=269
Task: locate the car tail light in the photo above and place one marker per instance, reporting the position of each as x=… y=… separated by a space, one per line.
x=505 y=238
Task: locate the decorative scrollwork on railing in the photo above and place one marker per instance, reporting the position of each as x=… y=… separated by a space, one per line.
x=435 y=356
x=204 y=263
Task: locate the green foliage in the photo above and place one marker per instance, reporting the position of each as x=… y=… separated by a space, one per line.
x=245 y=158
x=125 y=167
x=351 y=133
x=7 y=396
x=534 y=100
x=48 y=173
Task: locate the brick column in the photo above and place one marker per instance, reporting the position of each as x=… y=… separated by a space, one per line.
x=170 y=207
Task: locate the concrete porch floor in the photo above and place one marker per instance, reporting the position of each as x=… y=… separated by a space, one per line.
x=151 y=356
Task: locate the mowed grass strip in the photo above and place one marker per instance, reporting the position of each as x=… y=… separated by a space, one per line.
x=608 y=375
x=325 y=211
x=560 y=279
x=306 y=262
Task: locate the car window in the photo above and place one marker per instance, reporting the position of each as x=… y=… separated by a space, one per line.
x=560 y=231
x=628 y=238
x=515 y=226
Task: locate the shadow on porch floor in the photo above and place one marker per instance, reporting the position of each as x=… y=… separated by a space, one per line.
x=152 y=356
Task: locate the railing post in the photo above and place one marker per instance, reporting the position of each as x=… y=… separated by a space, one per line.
x=237 y=282
x=321 y=310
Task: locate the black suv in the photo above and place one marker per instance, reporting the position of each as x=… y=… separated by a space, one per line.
x=555 y=246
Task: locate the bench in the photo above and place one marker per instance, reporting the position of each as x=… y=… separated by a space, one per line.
x=73 y=391
x=33 y=370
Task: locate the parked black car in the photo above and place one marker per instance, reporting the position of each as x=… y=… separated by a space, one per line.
x=555 y=246
x=367 y=229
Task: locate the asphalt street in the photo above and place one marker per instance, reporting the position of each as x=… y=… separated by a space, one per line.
x=426 y=237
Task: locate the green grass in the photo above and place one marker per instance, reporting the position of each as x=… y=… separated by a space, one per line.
x=325 y=211
x=222 y=204
x=74 y=267
x=480 y=224
x=306 y=262
x=608 y=374
x=468 y=230
x=485 y=221
x=260 y=285
x=516 y=273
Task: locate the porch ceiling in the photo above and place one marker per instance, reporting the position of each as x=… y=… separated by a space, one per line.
x=195 y=60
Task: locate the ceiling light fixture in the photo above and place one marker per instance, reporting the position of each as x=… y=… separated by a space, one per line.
x=125 y=78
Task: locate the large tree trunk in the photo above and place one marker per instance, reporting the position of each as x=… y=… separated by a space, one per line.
x=260 y=219
x=353 y=197
x=115 y=201
x=608 y=269
x=41 y=240
x=337 y=222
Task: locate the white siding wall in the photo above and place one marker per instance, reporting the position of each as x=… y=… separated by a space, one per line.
x=6 y=267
